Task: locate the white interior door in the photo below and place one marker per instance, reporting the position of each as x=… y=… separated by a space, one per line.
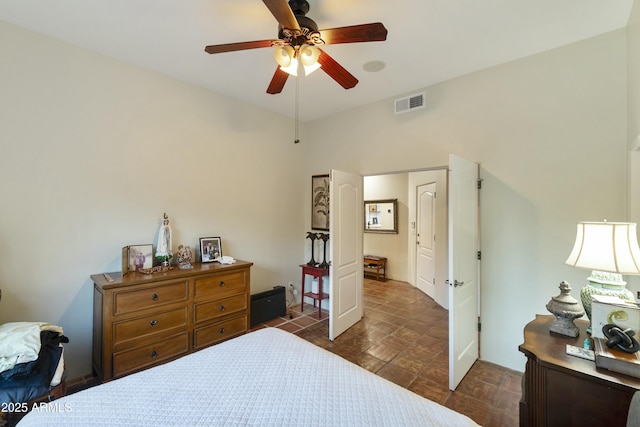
x=346 y=217
x=425 y=239
x=463 y=267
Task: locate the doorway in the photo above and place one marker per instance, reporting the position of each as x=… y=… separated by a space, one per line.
x=401 y=249
x=462 y=278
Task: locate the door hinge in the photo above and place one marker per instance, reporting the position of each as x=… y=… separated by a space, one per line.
x=479 y=327
x=479 y=254
x=479 y=183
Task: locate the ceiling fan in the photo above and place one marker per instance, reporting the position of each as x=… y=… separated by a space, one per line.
x=298 y=38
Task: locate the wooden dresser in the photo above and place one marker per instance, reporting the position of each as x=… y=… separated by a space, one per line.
x=563 y=390
x=143 y=320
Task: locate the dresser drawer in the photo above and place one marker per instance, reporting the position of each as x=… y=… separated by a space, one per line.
x=132 y=360
x=220 y=331
x=152 y=296
x=222 y=284
x=149 y=325
x=219 y=307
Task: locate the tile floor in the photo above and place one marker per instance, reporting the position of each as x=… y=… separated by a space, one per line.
x=403 y=337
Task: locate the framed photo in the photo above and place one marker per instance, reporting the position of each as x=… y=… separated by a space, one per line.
x=139 y=256
x=320 y=202
x=210 y=249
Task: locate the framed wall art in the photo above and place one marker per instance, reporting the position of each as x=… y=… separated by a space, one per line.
x=320 y=202
x=210 y=249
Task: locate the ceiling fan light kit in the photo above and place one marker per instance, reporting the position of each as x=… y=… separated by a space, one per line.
x=298 y=38
x=284 y=55
x=309 y=54
x=287 y=57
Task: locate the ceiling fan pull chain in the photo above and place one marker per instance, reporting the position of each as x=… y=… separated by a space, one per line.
x=296 y=124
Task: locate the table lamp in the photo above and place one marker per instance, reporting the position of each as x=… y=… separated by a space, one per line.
x=609 y=249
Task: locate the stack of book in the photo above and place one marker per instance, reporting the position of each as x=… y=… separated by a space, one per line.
x=616 y=360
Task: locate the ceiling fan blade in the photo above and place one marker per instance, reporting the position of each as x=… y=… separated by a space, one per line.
x=283 y=13
x=232 y=47
x=375 y=32
x=278 y=81
x=336 y=71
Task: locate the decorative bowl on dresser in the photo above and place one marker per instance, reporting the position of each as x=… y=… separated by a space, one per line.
x=143 y=320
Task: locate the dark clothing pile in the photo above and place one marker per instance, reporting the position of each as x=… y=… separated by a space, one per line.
x=28 y=381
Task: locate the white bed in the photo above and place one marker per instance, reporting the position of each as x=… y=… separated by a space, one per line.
x=265 y=378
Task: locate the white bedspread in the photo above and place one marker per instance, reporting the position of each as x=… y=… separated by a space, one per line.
x=265 y=378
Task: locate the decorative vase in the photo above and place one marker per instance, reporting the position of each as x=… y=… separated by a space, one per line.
x=324 y=237
x=603 y=283
x=565 y=308
x=313 y=236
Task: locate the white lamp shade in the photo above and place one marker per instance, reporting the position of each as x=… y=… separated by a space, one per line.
x=309 y=54
x=283 y=55
x=292 y=68
x=606 y=246
x=308 y=69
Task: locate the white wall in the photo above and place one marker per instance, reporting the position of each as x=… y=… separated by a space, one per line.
x=549 y=132
x=391 y=246
x=633 y=76
x=93 y=151
x=633 y=121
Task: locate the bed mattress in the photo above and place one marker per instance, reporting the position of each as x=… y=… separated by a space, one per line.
x=265 y=378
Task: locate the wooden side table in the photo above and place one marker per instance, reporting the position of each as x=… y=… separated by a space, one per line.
x=563 y=390
x=376 y=263
x=317 y=272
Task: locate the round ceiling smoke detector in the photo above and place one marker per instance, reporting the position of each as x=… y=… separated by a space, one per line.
x=374 y=66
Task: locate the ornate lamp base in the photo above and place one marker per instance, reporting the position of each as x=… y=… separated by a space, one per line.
x=601 y=283
x=565 y=308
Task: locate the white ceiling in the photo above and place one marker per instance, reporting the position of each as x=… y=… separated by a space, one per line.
x=429 y=41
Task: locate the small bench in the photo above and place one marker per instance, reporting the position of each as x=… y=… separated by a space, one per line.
x=375 y=263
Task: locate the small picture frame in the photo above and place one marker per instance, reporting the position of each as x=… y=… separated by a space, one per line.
x=139 y=257
x=210 y=249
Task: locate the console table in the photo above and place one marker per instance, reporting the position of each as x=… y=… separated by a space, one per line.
x=319 y=273
x=376 y=263
x=563 y=390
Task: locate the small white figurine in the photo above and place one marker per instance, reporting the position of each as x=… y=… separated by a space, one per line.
x=163 y=249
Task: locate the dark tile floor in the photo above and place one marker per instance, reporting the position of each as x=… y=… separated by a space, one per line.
x=403 y=337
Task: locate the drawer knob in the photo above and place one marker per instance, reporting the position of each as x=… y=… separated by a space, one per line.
x=222 y=308
x=153 y=323
x=154 y=297
x=154 y=354
x=221 y=282
x=222 y=330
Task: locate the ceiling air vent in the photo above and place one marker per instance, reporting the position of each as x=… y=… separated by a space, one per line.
x=409 y=103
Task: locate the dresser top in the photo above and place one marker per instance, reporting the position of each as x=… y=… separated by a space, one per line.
x=549 y=349
x=135 y=278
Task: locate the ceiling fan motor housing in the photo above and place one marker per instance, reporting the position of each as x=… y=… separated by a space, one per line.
x=307 y=25
x=299 y=7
